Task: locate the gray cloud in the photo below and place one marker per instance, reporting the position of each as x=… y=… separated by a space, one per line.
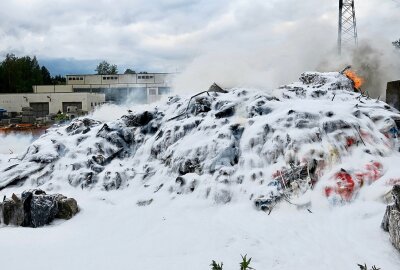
x=258 y=42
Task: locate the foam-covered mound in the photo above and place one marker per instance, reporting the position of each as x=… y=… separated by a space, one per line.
x=245 y=144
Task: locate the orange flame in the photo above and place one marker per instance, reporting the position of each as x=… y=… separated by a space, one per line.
x=357 y=80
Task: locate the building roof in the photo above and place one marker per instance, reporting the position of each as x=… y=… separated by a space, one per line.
x=138 y=73
x=397 y=81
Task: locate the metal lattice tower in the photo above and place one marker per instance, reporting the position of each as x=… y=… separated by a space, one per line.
x=347 y=35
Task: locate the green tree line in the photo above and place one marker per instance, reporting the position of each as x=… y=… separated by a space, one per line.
x=18 y=74
x=105 y=68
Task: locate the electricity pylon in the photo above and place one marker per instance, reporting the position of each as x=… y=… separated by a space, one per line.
x=347 y=34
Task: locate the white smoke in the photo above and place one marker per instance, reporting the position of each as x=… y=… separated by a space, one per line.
x=264 y=64
x=271 y=67
x=375 y=61
x=14 y=143
x=292 y=37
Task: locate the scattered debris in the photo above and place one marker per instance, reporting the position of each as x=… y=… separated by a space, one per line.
x=35 y=208
x=391 y=219
x=144 y=202
x=213 y=88
x=276 y=145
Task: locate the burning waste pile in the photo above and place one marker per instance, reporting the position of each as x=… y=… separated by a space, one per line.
x=314 y=136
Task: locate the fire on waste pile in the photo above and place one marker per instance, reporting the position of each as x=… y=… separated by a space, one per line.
x=315 y=135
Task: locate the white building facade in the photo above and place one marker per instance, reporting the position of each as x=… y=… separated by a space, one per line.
x=135 y=88
x=44 y=104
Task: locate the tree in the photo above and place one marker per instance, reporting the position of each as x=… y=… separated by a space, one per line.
x=46 y=77
x=129 y=71
x=58 y=80
x=396 y=44
x=19 y=74
x=27 y=72
x=113 y=70
x=8 y=71
x=105 y=68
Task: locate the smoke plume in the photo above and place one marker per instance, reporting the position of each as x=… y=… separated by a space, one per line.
x=14 y=143
x=376 y=62
x=276 y=49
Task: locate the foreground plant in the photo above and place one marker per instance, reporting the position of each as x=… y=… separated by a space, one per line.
x=245 y=264
x=216 y=266
x=364 y=267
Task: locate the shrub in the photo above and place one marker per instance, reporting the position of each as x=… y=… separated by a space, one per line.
x=364 y=267
x=215 y=266
x=245 y=264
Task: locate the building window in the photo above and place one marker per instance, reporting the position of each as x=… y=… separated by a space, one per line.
x=152 y=92
x=145 y=77
x=104 y=78
x=164 y=90
x=69 y=78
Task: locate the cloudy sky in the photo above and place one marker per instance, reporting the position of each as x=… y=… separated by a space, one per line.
x=71 y=36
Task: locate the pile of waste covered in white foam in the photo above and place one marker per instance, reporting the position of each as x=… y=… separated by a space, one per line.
x=315 y=136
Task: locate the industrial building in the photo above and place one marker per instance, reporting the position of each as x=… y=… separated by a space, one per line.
x=43 y=104
x=393 y=94
x=136 y=88
x=84 y=93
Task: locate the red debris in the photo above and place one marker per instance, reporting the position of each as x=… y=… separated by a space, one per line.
x=350 y=141
x=347 y=184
